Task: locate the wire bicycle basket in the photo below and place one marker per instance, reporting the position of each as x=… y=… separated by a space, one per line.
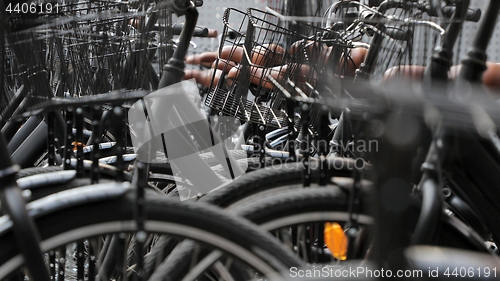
x=85 y=48
x=241 y=86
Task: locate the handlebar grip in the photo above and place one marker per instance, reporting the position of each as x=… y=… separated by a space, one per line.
x=199 y=31
x=398 y=34
x=212 y=33
x=473 y=15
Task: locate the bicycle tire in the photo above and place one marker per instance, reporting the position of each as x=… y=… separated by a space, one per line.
x=290 y=204
x=284 y=175
x=37 y=170
x=106 y=171
x=44 y=181
x=39 y=191
x=236 y=236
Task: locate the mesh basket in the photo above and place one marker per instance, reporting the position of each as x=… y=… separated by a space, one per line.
x=406 y=34
x=260 y=48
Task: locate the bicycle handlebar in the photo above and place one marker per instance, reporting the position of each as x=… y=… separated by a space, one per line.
x=199 y=31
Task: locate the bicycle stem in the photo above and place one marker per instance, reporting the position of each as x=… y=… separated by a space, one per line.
x=173 y=71
x=441 y=59
x=367 y=67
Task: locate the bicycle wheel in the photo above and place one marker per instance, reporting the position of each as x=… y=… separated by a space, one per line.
x=210 y=228
x=330 y=205
x=293 y=216
x=289 y=216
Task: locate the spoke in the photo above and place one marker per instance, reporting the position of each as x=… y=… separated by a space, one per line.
x=202 y=266
x=104 y=248
x=113 y=258
x=223 y=270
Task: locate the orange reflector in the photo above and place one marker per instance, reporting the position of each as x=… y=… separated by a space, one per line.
x=76 y=145
x=336 y=240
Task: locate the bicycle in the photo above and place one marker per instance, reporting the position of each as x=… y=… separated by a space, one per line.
x=475 y=241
